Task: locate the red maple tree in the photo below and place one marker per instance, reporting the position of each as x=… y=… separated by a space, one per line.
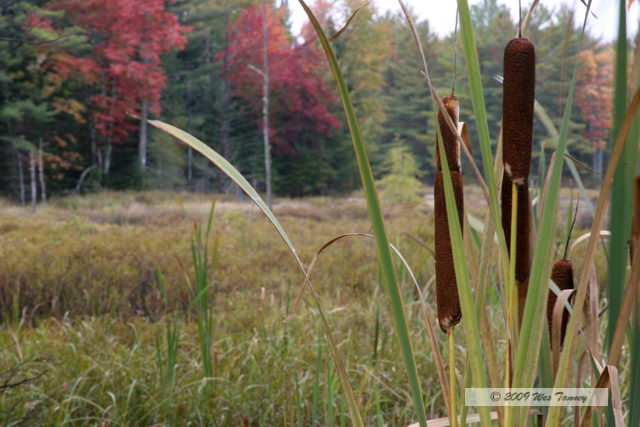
x=299 y=95
x=594 y=97
x=127 y=38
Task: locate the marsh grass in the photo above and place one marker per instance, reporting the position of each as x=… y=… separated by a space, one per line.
x=265 y=363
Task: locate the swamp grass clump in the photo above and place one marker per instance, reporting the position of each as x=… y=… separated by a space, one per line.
x=101 y=260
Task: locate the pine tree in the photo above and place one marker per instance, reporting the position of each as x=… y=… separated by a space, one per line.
x=409 y=110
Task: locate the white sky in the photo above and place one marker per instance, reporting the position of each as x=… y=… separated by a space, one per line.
x=441 y=13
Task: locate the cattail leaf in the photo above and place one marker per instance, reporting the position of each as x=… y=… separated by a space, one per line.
x=377 y=221
x=476 y=92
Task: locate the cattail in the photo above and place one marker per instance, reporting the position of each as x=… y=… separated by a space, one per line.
x=449 y=139
x=517 y=108
x=517 y=123
x=562 y=276
x=447 y=299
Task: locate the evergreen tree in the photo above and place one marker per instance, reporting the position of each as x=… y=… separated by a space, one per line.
x=363 y=67
x=409 y=109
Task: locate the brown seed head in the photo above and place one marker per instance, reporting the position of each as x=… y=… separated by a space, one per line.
x=447 y=300
x=449 y=139
x=562 y=276
x=517 y=108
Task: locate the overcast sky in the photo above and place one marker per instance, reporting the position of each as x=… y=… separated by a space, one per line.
x=441 y=13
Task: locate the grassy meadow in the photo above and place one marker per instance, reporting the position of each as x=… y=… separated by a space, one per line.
x=91 y=288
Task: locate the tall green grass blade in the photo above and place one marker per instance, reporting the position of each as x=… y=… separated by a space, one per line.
x=480 y=116
x=329 y=403
x=315 y=394
x=476 y=92
x=621 y=194
x=204 y=313
x=469 y=310
x=634 y=391
x=634 y=338
x=546 y=366
x=237 y=177
x=621 y=215
x=375 y=213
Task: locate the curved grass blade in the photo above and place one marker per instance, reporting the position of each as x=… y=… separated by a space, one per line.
x=433 y=342
x=237 y=177
x=351 y=18
x=377 y=221
x=482 y=124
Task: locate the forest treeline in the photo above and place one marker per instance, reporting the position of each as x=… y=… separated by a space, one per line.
x=75 y=76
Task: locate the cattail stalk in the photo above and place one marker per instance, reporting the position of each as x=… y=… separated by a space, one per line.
x=517 y=123
x=453 y=417
x=448 y=302
x=522 y=260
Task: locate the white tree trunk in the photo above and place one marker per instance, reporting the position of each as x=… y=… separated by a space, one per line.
x=43 y=187
x=34 y=185
x=23 y=198
x=265 y=103
x=189 y=150
x=143 y=143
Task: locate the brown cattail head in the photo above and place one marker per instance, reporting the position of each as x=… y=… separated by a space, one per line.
x=449 y=139
x=562 y=276
x=523 y=233
x=447 y=300
x=517 y=108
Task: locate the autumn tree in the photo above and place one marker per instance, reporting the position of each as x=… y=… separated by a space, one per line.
x=594 y=97
x=38 y=90
x=127 y=39
x=299 y=96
